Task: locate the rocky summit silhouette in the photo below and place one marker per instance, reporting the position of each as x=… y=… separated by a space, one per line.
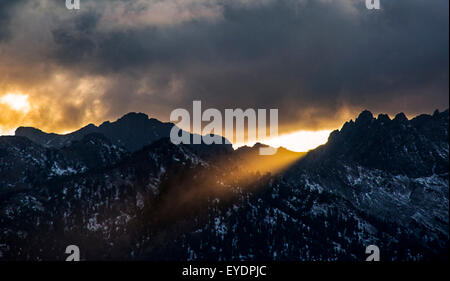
x=133 y=131
x=124 y=191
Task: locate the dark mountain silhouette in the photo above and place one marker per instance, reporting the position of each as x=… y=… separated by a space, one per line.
x=417 y=147
x=377 y=181
x=133 y=131
x=250 y=160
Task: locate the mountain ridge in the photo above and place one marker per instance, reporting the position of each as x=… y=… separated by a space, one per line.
x=132 y=131
x=181 y=202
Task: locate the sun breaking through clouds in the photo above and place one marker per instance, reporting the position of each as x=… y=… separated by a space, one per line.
x=301 y=141
x=17 y=102
x=319 y=62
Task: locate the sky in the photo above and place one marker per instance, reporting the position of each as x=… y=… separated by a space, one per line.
x=320 y=62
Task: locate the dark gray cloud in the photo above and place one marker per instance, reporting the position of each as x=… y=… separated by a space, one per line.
x=314 y=60
x=6 y=12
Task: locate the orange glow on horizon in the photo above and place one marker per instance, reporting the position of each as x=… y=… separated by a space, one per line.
x=300 y=141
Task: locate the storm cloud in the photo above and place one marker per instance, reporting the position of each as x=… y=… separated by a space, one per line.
x=318 y=61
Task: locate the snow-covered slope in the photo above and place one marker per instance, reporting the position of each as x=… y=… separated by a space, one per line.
x=377 y=181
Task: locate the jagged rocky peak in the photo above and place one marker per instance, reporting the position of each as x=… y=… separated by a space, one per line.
x=134 y=116
x=383 y=118
x=436 y=113
x=364 y=118
x=416 y=147
x=136 y=119
x=401 y=118
x=27 y=131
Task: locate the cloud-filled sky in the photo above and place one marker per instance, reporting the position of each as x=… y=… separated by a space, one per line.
x=320 y=62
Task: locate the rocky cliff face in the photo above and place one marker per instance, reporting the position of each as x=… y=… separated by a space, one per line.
x=377 y=181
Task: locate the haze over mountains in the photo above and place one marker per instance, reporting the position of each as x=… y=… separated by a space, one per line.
x=124 y=191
